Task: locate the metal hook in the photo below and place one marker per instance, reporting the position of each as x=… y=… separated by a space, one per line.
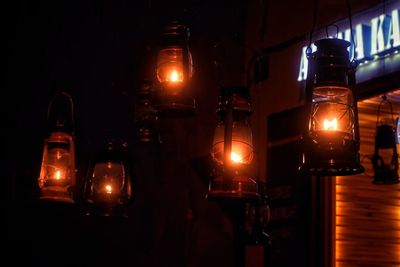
x=327 y=30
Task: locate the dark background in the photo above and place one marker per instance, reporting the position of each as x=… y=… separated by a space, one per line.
x=98 y=51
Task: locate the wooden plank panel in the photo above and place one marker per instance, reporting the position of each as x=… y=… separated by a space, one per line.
x=368 y=215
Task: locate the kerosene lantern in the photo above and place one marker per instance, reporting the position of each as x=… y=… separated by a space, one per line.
x=174 y=71
x=385 y=159
x=232 y=149
x=108 y=188
x=332 y=138
x=57 y=175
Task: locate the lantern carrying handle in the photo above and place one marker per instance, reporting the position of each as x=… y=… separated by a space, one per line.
x=384 y=100
x=330 y=26
x=67 y=96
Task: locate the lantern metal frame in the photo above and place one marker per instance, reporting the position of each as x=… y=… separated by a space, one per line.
x=175 y=102
x=230 y=181
x=385 y=138
x=61 y=135
x=98 y=204
x=330 y=66
x=146 y=116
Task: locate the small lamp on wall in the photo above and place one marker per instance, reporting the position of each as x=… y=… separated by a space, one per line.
x=107 y=188
x=57 y=175
x=332 y=138
x=385 y=159
x=174 y=70
x=232 y=149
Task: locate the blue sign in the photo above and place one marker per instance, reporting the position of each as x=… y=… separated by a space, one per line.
x=398 y=130
x=377 y=38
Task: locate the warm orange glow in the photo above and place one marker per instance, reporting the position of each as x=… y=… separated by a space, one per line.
x=57 y=175
x=173 y=68
x=330 y=125
x=241 y=152
x=338 y=222
x=108 y=189
x=174 y=76
x=236 y=158
x=109 y=165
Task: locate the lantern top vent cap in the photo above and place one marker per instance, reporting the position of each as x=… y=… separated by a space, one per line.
x=332 y=48
x=175 y=28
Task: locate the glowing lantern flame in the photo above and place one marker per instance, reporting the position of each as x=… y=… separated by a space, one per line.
x=57 y=175
x=108 y=189
x=330 y=125
x=236 y=158
x=174 y=76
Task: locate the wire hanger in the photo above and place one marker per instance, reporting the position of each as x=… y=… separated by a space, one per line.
x=314 y=23
x=353 y=41
x=69 y=98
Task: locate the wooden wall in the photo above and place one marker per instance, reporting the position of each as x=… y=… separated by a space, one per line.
x=368 y=215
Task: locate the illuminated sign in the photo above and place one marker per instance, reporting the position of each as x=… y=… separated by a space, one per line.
x=398 y=130
x=376 y=37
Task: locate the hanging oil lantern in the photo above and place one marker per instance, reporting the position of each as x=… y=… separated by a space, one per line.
x=385 y=159
x=57 y=175
x=332 y=139
x=174 y=71
x=232 y=149
x=108 y=188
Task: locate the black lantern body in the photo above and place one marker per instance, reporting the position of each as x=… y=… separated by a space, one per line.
x=385 y=159
x=57 y=177
x=174 y=71
x=232 y=149
x=257 y=241
x=332 y=138
x=108 y=187
x=146 y=118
